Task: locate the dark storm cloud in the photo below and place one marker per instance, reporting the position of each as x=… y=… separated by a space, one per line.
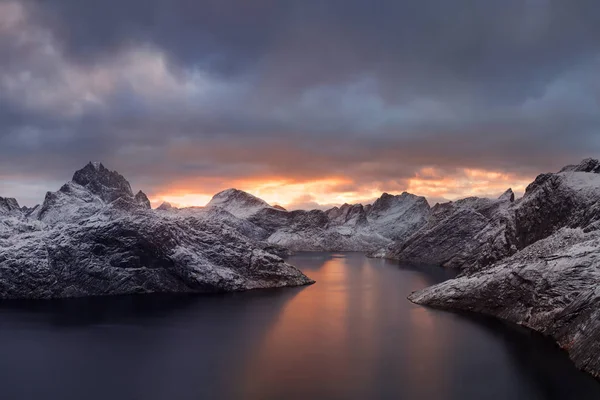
x=427 y=46
x=370 y=90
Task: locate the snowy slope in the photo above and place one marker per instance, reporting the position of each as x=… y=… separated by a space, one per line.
x=397 y=217
x=237 y=203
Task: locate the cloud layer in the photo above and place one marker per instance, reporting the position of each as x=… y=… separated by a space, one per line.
x=329 y=101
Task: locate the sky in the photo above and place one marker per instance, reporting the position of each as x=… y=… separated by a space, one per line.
x=303 y=103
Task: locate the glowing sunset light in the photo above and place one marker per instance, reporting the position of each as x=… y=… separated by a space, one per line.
x=283 y=192
x=435 y=184
x=465 y=183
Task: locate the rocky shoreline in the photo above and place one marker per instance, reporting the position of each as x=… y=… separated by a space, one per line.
x=551 y=283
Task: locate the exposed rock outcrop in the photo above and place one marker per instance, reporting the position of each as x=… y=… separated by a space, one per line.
x=106 y=184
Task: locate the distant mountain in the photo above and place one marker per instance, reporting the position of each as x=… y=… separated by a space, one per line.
x=345 y=228
x=238 y=203
x=468 y=233
x=94 y=237
x=398 y=217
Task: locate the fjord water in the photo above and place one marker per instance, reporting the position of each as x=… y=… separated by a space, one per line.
x=352 y=335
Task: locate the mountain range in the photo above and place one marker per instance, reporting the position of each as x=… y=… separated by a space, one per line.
x=534 y=261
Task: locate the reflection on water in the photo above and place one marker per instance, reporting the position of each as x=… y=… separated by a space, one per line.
x=352 y=335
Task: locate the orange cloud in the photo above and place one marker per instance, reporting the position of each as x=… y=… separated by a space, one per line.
x=465 y=182
x=293 y=193
x=279 y=191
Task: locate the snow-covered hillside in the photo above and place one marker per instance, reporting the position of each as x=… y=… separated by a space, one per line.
x=94 y=237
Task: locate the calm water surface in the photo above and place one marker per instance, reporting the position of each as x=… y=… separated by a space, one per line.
x=352 y=335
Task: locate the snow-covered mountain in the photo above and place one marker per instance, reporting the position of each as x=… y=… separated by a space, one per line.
x=238 y=203
x=551 y=280
x=94 y=237
x=467 y=233
x=473 y=233
x=345 y=228
x=398 y=217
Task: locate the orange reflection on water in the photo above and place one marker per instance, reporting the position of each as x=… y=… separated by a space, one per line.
x=304 y=332
x=350 y=333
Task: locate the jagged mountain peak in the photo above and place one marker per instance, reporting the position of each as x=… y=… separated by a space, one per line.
x=9 y=205
x=508 y=195
x=91 y=189
x=385 y=196
x=143 y=200
x=108 y=185
x=586 y=165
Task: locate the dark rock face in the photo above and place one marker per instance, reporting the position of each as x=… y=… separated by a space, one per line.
x=550 y=283
x=587 y=165
x=108 y=185
x=92 y=188
x=554 y=201
x=9 y=205
x=142 y=200
x=93 y=237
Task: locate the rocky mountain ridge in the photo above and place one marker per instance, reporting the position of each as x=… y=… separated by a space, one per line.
x=94 y=237
x=350 y=227
x=549 y=280
x=467 y=233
